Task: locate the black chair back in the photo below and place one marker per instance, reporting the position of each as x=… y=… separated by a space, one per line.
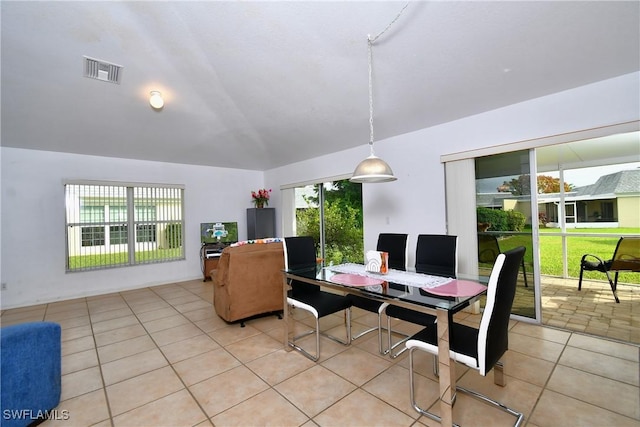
x=437 y=254
x=300 y=254
x=488 y=248
x=396 y=245
x=494 y=324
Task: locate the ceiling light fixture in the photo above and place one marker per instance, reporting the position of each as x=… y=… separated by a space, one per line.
x=156 y=100
x=373 y=169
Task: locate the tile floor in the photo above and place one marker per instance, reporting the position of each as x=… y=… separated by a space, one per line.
x=160 y=356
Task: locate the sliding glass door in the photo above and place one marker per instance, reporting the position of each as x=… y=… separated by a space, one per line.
x=331 y=212
x=582 y=198
x=506 y=214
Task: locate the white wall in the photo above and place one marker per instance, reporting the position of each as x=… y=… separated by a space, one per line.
x=33 y=241
x=32 y=207
x=415 y=203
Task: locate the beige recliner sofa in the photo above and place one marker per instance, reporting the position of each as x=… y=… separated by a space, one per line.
x=248 y=281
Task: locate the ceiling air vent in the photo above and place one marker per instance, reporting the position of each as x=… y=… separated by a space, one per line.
x=101 y=70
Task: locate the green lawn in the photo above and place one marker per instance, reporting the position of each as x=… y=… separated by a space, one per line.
x=551 y=251
x=122 y=258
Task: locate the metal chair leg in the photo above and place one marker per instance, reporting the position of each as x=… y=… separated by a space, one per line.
x=519 y=415
x=614 y=286
x=379 y=329
x=580 y=279
x=317 y=331
x=524 y=273
x=390 y=346
x=293 y=344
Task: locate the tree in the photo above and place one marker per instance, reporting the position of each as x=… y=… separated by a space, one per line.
x=342 y=221
x=547 y=184
x=344 y=194
x=520 y=186
x=343 y=231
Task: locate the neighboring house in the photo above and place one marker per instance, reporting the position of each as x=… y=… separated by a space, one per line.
x=613 y=201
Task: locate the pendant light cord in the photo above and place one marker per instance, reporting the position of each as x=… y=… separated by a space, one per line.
x=370 y=41
x=370 y=97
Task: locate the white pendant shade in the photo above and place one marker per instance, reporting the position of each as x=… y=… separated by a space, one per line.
x=372 y=170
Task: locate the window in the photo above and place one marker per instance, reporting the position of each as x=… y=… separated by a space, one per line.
x=117 y=213
x=145 y=233
x=91 y=214
x=331 y=212
x=118 y=235
x=607 y=211
x=92 y=236
x=99 y=217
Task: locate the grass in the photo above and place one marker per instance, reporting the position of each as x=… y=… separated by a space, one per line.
x=577 y=246
x=550 y=253
x=87 y=262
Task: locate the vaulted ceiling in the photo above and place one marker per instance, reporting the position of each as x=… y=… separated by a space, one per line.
x=256 y=85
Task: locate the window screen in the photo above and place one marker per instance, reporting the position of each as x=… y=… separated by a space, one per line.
x=100 y=219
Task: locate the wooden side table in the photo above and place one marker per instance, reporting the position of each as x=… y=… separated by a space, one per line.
x=209 y=264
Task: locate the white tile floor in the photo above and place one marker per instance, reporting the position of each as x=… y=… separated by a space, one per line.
x=161 y=357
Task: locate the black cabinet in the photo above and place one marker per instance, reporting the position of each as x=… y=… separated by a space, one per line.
x=261 y=223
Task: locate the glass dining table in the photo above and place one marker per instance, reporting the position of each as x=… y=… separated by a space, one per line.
x=439 y=296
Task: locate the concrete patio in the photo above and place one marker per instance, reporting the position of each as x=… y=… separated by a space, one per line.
x=592 y=310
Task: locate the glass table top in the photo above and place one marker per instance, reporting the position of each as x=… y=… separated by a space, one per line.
x=410 y=287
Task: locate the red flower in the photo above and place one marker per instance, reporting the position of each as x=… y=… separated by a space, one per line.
x=261 y=197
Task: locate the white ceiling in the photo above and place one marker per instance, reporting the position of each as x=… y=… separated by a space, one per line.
x=256 y=85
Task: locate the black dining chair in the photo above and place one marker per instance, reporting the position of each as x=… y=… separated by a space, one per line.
x=626 y=257
x=436 y=255
x=482 y=348
x=300 y=254
x=489 y=249
x=395 y=244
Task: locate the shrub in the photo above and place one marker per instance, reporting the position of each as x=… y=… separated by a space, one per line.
x=515 y=220
x=174 y=235
x=495 y=217
x=501 y=220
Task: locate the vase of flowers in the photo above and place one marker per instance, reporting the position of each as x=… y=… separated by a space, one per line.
x=260 y=198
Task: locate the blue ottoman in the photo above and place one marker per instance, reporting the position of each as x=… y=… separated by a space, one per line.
x=30 y=373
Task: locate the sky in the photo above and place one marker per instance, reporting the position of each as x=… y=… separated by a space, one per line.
x=587 y=176
x=576 y=177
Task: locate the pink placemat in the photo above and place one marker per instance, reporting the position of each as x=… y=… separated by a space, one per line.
x=457 y=288
x=354 y=280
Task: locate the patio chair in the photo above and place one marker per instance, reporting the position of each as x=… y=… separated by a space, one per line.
x=489 y=249
x=626 y=257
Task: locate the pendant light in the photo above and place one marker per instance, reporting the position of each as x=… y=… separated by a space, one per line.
x=373 y=168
